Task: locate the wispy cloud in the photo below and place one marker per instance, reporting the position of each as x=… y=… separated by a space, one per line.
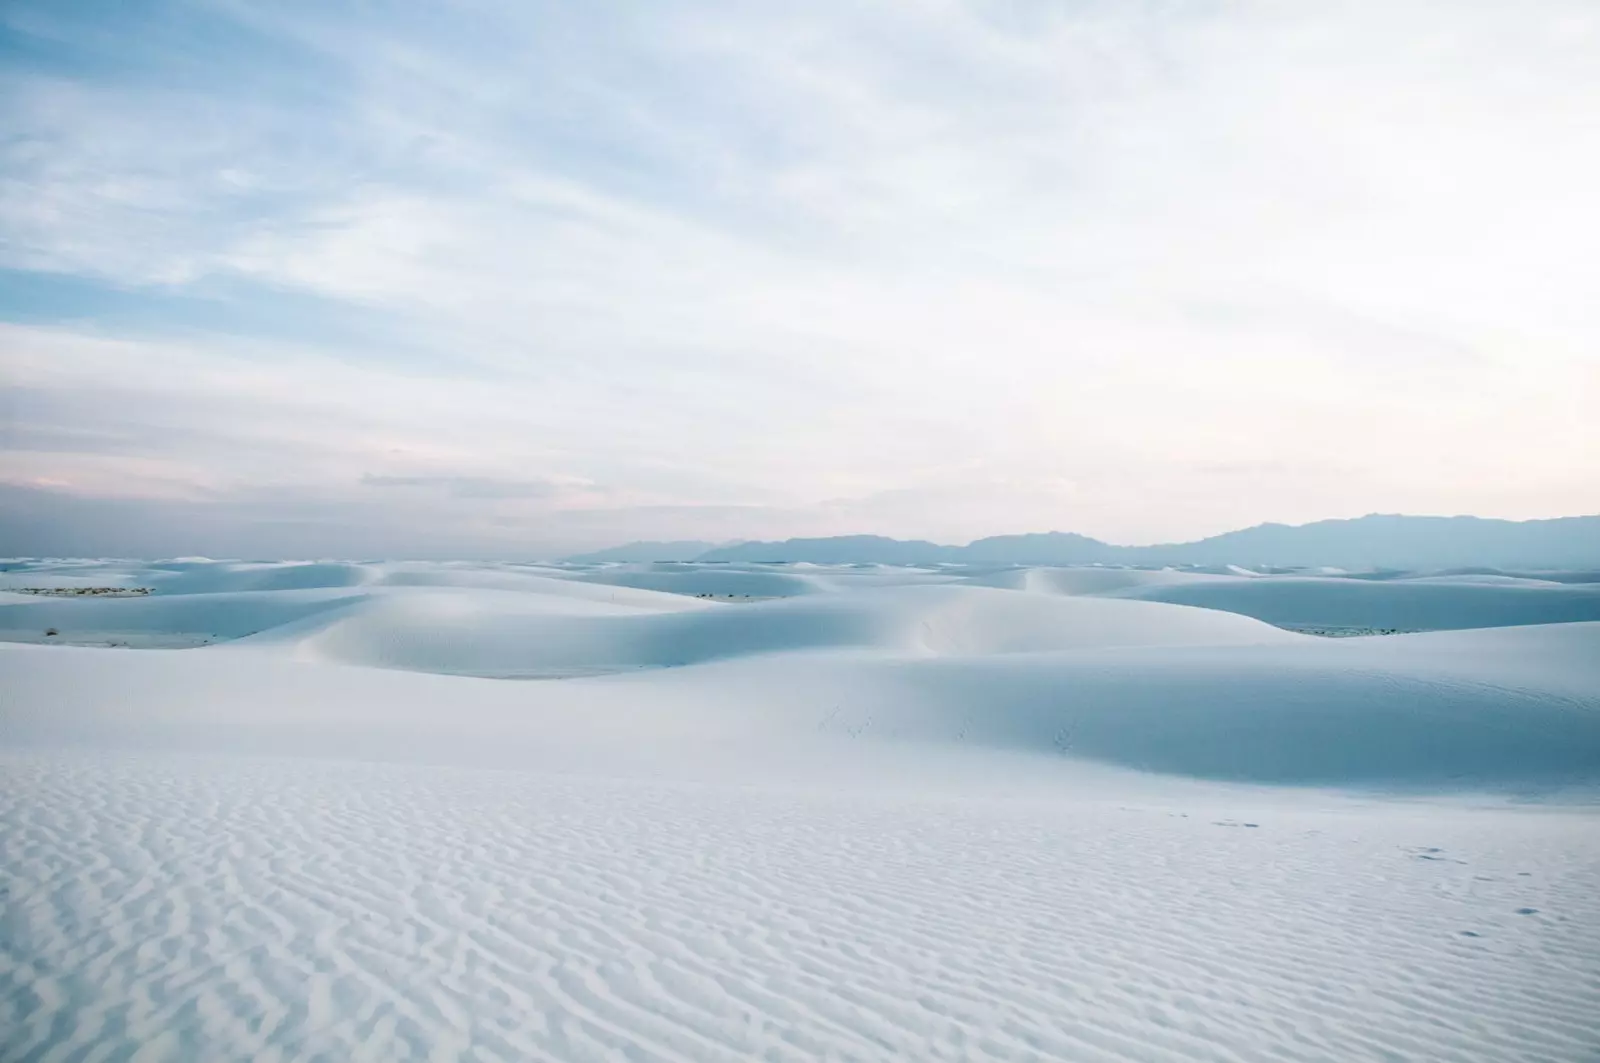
x=468 y=486
x=942 y=269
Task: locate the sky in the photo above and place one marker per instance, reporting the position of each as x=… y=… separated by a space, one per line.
x=294 y=278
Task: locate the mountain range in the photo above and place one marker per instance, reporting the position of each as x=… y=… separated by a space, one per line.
x=1376 y=541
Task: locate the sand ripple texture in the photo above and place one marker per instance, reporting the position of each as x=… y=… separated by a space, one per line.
x=167 y=907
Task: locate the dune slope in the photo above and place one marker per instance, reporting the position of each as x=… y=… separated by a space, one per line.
x=1407 y=605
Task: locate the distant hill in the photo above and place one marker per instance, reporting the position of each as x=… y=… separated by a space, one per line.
x=1375 y=541
x=838 y=550
x=1041 y=548
x=1394 y=541
x=682 y=550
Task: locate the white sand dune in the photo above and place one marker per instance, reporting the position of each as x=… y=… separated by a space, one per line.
x=899 y=814
x=503 y=637
x=1496 y=579
x=745 y=580
x=223 y=615
x=1091 y=580
x=227 y=613
x=1404 y=604
x=722 y=582
x=1509 y=709
x=204 y=578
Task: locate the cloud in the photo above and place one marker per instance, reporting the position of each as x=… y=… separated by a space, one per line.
x=468 y=486
x=940 y=270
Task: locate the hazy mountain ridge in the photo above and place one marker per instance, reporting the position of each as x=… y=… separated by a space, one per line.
x=676 y=550
x=1373 y=541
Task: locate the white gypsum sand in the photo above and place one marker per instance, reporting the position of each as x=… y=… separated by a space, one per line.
x=880 y=814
